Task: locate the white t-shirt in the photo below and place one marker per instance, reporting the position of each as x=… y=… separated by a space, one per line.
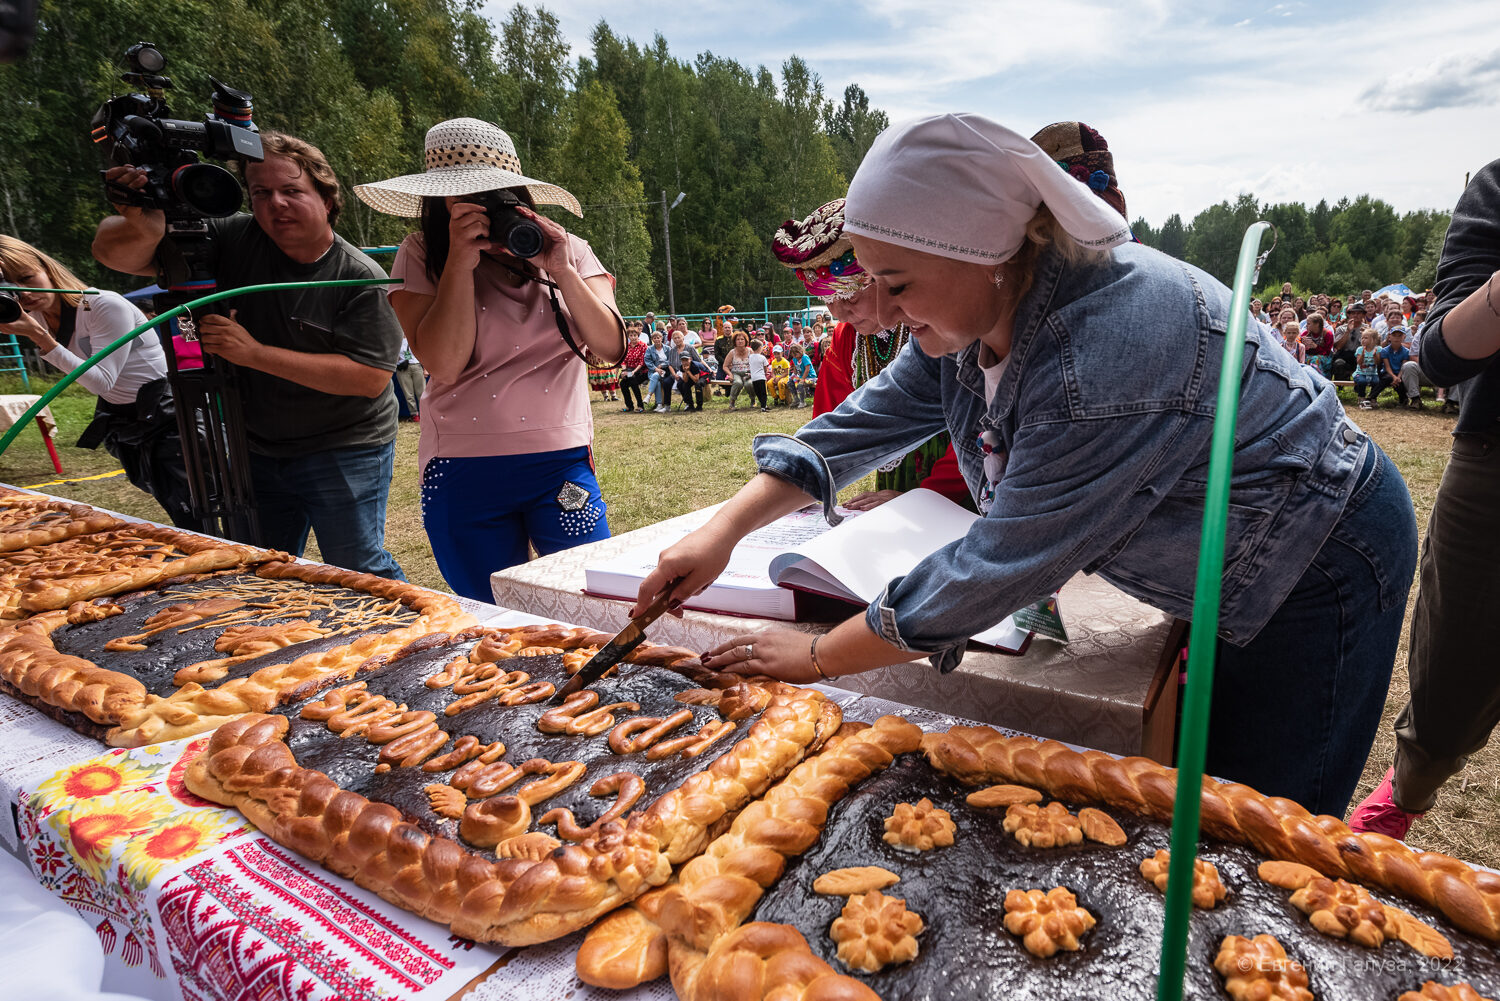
x=758 y=366
x=102 y=319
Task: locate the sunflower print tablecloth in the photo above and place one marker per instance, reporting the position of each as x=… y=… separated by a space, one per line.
x=188 y=895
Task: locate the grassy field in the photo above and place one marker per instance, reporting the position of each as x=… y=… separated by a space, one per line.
x=655 y=466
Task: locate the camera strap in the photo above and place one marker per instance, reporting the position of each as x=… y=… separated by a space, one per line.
x=557 y=313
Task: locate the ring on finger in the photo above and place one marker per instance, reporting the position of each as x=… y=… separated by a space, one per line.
x=749 y=651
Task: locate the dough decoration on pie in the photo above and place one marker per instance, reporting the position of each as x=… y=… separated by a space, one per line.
x=919 y=826
x=1208 y=888
x=534 y=846
x=1434 y=991
x=854 y=880
x=1003 y=795
x=1101 y=827
x=445 y=800
x=1047 y=922
x=874 y=931
x=1050 y=826
x=1342 y=909
x=1259 y=970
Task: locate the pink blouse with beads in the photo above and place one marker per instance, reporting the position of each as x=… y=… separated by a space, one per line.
x=523 y=390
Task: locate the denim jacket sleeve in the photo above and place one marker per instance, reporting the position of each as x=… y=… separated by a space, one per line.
x=1071 y=492
x=882 y=420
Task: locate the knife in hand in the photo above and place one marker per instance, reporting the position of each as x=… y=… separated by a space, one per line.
x=616 y=649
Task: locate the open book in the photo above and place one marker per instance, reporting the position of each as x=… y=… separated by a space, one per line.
x=774 y=569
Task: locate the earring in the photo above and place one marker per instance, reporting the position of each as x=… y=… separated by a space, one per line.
x=997 y=278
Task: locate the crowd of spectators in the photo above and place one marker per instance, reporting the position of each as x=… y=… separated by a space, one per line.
x=1366 y=340
x=724 y=356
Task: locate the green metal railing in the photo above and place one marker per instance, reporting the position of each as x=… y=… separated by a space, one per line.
x=104 y=352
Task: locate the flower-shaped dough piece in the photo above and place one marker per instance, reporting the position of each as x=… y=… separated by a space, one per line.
x=1047 y=922
x=1050 y=826
x=1208 y=888
x=920 y=826
x=874 y=931
x=1434 y=991
x=1259 y=970
x=1344 y=910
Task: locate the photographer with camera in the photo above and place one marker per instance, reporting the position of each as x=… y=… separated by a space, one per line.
x=133 y=418
x=315 y=364
x=499 y=303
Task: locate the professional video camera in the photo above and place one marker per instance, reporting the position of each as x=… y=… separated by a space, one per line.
x=137 y=129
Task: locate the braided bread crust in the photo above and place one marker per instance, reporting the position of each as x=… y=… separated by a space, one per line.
x=25 y=523
x=514 y=901
x=718 y=889
x=31 y=663
x=88 y=567
x=1277 y=828
x=761 y=961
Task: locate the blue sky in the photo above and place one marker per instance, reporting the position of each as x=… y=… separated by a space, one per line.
x=1293 y=101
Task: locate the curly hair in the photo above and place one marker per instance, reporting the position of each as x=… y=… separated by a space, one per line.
x=312 y=163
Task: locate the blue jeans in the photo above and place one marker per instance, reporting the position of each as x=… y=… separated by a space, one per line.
x=1295 y=711
x=340 y=494
x=482 y=514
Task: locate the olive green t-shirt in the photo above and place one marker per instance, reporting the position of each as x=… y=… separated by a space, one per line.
x=283 y=418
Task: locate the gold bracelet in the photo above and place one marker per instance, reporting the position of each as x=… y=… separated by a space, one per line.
x=814 y=653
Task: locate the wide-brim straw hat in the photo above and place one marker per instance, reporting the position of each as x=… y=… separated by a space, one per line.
x=464 y=157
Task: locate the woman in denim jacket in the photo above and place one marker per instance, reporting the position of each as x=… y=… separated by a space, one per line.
x=1077 y=373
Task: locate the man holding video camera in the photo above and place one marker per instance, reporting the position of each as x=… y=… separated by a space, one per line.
x=316 y=364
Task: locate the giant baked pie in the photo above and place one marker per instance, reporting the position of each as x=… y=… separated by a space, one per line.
x=1289 y=905
x=444 y=779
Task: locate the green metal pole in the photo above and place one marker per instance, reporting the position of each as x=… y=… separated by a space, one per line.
x=109 y=349
x=1193 y=743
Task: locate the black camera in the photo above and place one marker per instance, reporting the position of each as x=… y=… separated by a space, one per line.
x=10 y=305
x=138 y=129
x=508 y=227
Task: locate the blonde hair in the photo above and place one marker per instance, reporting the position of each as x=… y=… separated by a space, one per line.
x=17 y=257
x=1041 y=232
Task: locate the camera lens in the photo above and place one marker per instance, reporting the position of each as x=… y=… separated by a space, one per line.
x=10 y=307
x=522 y=236
x=208 y=188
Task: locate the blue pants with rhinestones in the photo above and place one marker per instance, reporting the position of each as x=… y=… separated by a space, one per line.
x=481 y=514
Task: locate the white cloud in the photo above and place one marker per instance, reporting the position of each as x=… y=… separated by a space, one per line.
x=1197 y=103
x=1457 y=81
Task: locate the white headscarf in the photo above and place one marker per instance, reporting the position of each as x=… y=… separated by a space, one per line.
x=964 y=187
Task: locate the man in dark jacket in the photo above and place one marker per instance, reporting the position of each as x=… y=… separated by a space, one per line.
x=1455 y=686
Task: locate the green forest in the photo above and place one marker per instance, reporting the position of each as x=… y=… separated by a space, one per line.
x=621 y=126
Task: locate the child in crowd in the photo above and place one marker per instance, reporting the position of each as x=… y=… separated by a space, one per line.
x=1291 y=334
x=781 y=375
x=1317 y=342
x=1392 y=357
x=804 y=376
x=1367 y=369
x=760 y=366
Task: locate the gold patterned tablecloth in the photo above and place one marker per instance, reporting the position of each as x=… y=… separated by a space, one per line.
x=1111 y=687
